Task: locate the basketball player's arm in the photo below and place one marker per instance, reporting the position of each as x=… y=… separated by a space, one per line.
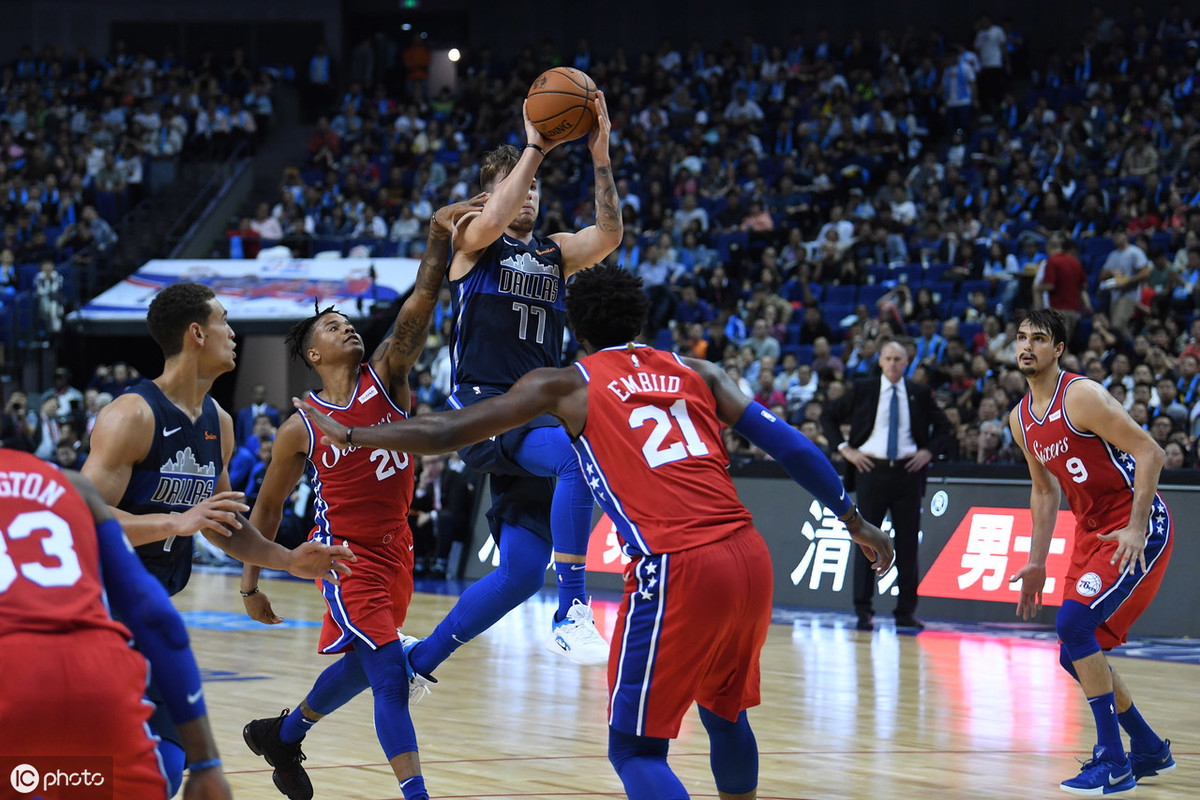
x=541 y=391
x=1044 y=496
x=403 y=345
x=480 y=230
x=800 y=458
x=310 y=560
x=590 y=246
x=1092 y=408
x=121 y=438
x=161 y=636
x=289 y=453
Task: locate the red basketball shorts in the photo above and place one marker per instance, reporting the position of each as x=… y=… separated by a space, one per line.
x=372 y=602
x=690 y=629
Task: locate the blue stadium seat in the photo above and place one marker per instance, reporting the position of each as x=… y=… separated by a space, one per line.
x=840 y=295
x=871 y=294
x=914 y=273
x=966 y=287
x=967 y=331
x=804 y=352
x=726 y=241
x=664 y=340
x=935 y=272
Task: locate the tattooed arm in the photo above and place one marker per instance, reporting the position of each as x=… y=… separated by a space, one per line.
x=591 y=245
x=403 y=345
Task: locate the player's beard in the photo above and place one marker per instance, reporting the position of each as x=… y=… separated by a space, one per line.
x=523 y=224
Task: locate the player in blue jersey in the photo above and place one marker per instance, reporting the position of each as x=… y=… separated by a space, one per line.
x=509 y=287
x=159 y=455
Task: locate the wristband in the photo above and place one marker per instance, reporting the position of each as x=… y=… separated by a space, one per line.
x=349 y=433
x=536 y=147
x=209 y=764
x=250 y=593
x=850 y=515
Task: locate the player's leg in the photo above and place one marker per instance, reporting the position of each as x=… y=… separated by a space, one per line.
x=733 y=755
x=548 y=451
x=388 y=676
x=1148 y=753
x=522 y=571
x=1109 y=770
x=277 y=739
x=641 y=764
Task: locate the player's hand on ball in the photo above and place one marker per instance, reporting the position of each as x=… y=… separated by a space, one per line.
x=598 y=138
x=533 y=136
x=217 y=514
x=335 y=432
x=318 y=562
x=258 y=607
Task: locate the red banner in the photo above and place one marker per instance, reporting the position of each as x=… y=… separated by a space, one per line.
x=989 y=546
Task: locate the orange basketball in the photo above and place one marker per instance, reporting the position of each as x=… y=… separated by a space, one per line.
x=561 y=103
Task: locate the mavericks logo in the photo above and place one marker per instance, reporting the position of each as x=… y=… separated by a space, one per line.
x=1089 y=585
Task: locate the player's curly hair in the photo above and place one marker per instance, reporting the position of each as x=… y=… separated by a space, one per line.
x=606 y=306
x=299 y=337
x=173 y=309
x=1051 y=321
x=497 y=162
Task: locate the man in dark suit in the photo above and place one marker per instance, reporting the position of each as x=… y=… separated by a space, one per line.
x=258 y=405
x=892 y=425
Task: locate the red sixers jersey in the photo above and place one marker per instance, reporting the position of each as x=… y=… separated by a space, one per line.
x=362 y=493
x=1096 y=477
x=652 y=452
x=49 y=556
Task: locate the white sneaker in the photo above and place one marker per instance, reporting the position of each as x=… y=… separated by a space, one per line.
x=418 y=684
x=576 y=637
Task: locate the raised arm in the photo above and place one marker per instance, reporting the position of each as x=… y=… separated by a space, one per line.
x=800 y=458
x=561 y=392
x=403 y=345
x=480 y=230
x=1044 y=496
x=590 y=246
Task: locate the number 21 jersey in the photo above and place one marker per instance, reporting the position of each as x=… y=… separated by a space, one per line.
x=652 y=452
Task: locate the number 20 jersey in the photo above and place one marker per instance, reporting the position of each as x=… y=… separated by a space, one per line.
x=510 y=312
x=1096 y=477
x=652 y=452
x=362 y=493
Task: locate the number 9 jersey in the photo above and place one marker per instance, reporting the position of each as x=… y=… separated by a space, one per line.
x=652 y=452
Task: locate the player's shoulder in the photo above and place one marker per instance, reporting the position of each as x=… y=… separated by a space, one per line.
x=130 y=408
x=292 y=433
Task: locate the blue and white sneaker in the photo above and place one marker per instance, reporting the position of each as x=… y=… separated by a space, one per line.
x=418 y=684
x=1147 y=764
x=1101 y=776
x=576 y=637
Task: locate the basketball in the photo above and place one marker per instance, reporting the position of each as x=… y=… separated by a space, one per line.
x=561 y=103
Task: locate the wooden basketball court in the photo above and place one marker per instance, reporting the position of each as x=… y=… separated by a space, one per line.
x=845 y=714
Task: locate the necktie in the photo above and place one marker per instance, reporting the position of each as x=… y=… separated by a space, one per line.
x=893 y=442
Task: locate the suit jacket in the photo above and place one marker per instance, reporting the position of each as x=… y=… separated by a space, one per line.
x=860 y=403
x=244 y=424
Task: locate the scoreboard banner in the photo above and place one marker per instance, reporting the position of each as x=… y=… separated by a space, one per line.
x=975 y=534
x=266 y=290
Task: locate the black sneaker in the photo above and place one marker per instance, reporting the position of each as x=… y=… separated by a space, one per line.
x=262 y=737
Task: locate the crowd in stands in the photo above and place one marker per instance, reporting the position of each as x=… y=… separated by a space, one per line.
x=792 y=204
x=76 y=133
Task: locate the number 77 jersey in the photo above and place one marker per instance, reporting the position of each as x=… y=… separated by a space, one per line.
x=652 y=452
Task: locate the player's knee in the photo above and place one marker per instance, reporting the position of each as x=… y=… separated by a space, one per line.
x=622 y=747
x=390 y=678
x=1076 y=627
x=1065 y=661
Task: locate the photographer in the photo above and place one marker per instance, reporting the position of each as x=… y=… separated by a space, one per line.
x=14 y=432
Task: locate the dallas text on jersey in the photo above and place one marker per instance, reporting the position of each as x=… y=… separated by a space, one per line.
x=525 y=276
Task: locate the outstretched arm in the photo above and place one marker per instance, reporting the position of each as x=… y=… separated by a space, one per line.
x=542 y=391
x=403 y=345
x=590 y=246
x=804 y=463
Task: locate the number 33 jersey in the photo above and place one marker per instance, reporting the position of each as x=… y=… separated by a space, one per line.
x=1096 y=477
x=362 y=493
x=652 y=452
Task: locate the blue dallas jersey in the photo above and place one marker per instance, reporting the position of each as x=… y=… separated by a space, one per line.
x=509 y=313
x=179 y=472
